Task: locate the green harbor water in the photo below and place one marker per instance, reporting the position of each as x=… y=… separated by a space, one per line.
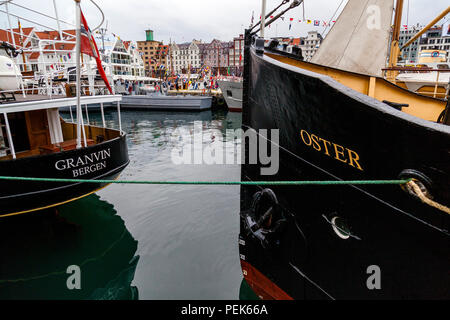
x=137 y=241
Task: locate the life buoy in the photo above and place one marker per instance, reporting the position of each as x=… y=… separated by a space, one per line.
x=157 y=88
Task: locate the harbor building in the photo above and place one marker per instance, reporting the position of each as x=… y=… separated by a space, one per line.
x=184 y=56
x=123 y=57
x=50 y=51
x=411 y=53
x=216 y=55
x=310 y=44
x=236 y=55
x=434 y=39
x=43 y=53
x=151 y=50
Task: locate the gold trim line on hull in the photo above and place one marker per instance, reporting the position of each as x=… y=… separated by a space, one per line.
x=52 y=205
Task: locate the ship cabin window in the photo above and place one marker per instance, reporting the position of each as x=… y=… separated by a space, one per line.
x=229 y=93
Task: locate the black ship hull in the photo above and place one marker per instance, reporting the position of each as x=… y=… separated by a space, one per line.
x=342 y=242
x=104 y=161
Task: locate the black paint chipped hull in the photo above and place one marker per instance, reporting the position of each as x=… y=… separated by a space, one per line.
x=406 y=239
x=20 y=197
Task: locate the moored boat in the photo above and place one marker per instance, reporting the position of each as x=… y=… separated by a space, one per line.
x=331 y=242
x=232 y=93
x=37 y=143
x=165 y=102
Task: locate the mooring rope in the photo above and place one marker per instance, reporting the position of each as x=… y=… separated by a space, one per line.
x=251 y=183
x=413 y=189
x=423 y=197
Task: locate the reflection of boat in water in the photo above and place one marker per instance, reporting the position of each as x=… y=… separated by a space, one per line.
x=232 y=93
x=87 y=233
x=322 y=242
x=246 y=292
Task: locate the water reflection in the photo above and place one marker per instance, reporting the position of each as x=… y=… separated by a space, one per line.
x=246 y=292
x=36 y=250
x=188 y=235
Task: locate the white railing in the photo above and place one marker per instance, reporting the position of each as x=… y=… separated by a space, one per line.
x=49 y=76
x=47 y=72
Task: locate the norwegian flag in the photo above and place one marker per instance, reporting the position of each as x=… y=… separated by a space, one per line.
x=89 y=47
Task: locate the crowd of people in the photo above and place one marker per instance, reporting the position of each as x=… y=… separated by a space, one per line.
x=130 y=87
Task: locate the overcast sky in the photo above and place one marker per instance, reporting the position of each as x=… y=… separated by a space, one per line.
x=184 y=20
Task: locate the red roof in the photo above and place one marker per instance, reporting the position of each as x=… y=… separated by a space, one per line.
x=59 y=46
x=54 y=35
x=296 y=41
x=5 y=35
x=34 y=56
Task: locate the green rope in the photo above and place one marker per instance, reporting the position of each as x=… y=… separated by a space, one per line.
x=225 y=183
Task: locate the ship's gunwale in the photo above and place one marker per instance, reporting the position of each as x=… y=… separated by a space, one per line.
x=75 y=190
x=375 y=104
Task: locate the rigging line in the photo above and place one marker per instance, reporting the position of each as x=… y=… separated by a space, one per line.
x=446 y=232
x=310 y=281
x=329 y=22
x=103 y=16
x=36 y=23
x=43 y=14
x=270 y=13
x=293 y=5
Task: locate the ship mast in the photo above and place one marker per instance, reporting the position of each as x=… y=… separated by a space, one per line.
x=431 y=24
x=395 y=50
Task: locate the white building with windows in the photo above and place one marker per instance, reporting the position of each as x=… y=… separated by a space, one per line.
x=411 y=53
x=311 y=44
x=182 y=56
x=45 y=52
x=433 y=39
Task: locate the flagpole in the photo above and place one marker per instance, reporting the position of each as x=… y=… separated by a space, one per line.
x=263 y=17
x=78 y=68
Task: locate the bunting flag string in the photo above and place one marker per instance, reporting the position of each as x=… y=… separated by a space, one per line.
x=315 y=22
x=323 y=23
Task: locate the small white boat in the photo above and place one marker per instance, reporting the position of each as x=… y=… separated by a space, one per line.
x=232 y=93
x=426 y=82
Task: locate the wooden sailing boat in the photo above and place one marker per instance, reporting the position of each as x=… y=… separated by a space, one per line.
x=338 y=119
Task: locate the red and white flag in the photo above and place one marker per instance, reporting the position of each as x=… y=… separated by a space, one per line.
x=89 y=47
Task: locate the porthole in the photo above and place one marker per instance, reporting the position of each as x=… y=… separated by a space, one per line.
x=340 y=227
